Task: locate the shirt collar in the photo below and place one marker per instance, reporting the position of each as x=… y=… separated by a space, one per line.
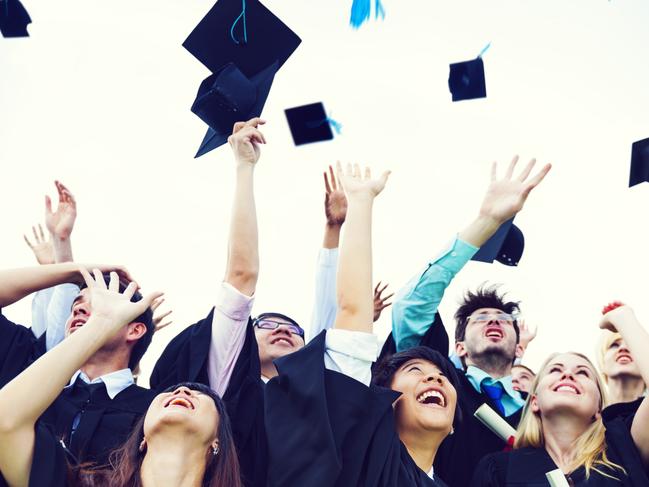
x=477 y=376
x=115 y=382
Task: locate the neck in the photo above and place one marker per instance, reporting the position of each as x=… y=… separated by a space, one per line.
x=422 y=447
x=625 y=388
x=268 y=369
x=102 y=363
x=495 y=365
x=560 y=432
x=173 y=462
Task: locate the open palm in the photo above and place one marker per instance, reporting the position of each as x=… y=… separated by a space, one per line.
x=356 y=184
x=61 y=222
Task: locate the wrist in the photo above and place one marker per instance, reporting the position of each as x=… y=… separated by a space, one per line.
x=62 y=249
x=244 y=165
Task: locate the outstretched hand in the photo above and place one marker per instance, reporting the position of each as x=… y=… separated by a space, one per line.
x=245 y=140
x=111 y=306
x=505 y=197
x=335 y=200
x=42 y=248
x=379 y=301
x=357 y=185
x=159 y=317
x=527 y=333
x=613 y=314
x=61 y=222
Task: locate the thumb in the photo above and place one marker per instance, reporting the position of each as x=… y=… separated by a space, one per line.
x=385 y=176
x=48 y=205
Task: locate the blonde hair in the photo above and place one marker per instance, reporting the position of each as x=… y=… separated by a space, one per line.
x=590 y=447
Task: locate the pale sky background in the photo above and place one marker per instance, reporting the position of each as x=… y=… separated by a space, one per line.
x=99 y=98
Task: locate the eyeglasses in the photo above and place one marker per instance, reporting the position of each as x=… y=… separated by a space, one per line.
x=485 y=318
x=268 y=324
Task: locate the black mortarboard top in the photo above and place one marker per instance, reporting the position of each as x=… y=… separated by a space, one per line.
x=252 y=38
x=506 y=246
x=13 y=19
x=466 y=79
x=309 y=123
x=229 y=96
x=639 y=162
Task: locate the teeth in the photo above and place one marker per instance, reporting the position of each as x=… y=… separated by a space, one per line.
x=436 y=394
x=566 y=389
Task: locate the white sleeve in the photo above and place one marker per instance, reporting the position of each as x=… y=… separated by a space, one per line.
x=351 y=353
x=58 y=312
x=324 y=307
x=39 y=311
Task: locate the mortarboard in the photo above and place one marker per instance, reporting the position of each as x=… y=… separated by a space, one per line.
x=309 y=123
x=243 y=32
x=228 y=96
x=466 y=80
x=13 y=19
x=506 y=246
x=639 y=162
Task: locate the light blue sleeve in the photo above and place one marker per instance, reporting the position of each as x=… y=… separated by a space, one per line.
x=325 y=307
x=58 y=311
x=39 y=311
x=416 y=303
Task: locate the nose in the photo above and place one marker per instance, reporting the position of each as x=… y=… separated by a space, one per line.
x=283 y=329
x=434 y=378
x=81 y=308
x=567 y=374
x=182 y=390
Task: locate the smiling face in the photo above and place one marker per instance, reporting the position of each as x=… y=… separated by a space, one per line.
x=522 y=378
x=489 y=331
x=188 y=412
x=568 y=384
x=428 y=399
x=618 y=361
x=276 y=343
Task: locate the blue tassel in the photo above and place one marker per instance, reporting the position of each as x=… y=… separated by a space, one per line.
x=361 y=12
x=242 y=15
x=337 y=126
x=484 y=49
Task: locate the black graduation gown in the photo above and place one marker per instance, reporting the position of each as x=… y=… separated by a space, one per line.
x=460 y=452
x=528 y=466
x=326 y=429
x=18 y=349
x=104 y=423
x=186 y=359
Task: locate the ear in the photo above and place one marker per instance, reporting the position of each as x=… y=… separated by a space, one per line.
x=136 y=331
x=520 y=351
x=142 y=446
x=460 y=350
x=534 y=403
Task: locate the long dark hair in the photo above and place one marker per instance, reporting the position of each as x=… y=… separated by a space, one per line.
x=221 y=470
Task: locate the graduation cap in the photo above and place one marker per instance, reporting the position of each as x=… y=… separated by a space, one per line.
x=13 y=19
x=229 y=96
x=310 y=123
x=466 y=79
x=243 y=32
x=506 y=246
x=639 y=162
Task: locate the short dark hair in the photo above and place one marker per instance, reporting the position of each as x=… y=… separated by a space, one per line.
x=384 y=372
x=484 y=297
x=145 y=318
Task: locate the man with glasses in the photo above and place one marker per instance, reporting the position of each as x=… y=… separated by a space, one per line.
x=487 y=333
x=277 y=335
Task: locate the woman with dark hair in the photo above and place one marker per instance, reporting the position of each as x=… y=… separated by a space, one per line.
x=327 y=425
x=183 y=440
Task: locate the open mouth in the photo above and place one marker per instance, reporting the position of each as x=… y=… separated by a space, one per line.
x=76 y=324
x=181 y=402
x=568 y=388
x=432 y=397
x=282 y=341
x=494 y=332
x=624 y=359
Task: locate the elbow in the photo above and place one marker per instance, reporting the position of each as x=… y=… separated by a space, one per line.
x=243 y=279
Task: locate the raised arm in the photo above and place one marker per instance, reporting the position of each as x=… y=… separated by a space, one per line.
x=417 y=302
x=354 y=281
x=61 y=222
x=39 y=385
x=623 y=320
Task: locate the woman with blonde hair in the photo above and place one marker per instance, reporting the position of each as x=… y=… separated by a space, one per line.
x=622 y=376
x=563 y=432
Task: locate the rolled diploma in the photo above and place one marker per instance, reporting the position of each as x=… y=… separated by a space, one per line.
x=557 y=478
x=492 y=420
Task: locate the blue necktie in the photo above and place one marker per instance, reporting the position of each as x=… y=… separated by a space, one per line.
x=495 y=392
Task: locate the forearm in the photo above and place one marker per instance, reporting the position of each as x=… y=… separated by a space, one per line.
x=331 y=238
x=15 y=284
x=325 y=307
x=480 y=230
x=243 y=247
x=354 y=279
x=62 y=249
x=39 y=385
